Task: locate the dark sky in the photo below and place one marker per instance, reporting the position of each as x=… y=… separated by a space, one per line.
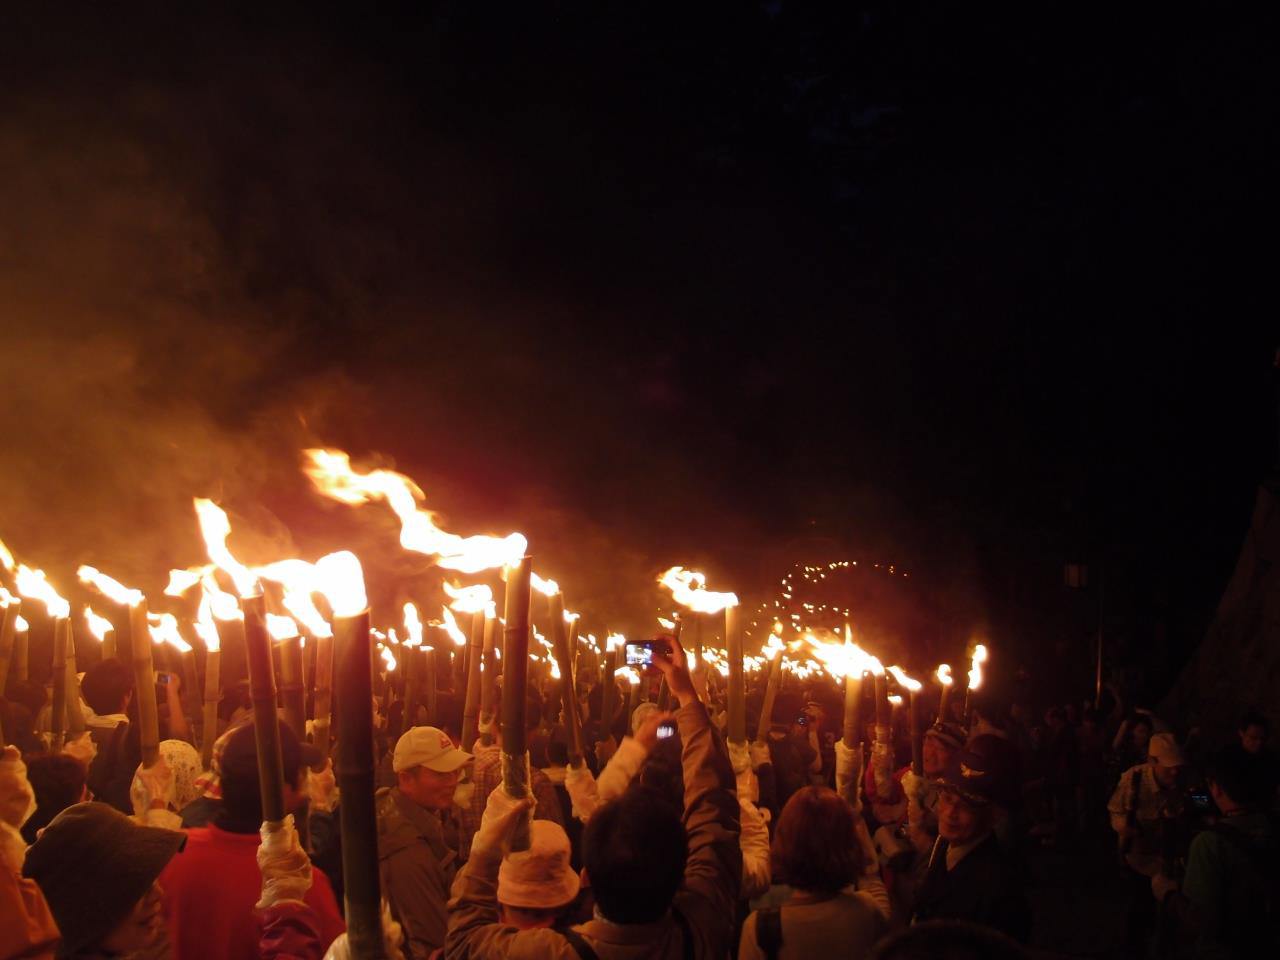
x=965 y=289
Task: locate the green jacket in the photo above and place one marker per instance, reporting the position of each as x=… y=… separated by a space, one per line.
x=417 y=867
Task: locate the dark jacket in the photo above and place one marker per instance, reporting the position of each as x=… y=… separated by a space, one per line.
x=111 y=772
x=417 y=867
x=983 y=888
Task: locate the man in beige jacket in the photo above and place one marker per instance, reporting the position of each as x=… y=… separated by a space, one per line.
x=661 y=889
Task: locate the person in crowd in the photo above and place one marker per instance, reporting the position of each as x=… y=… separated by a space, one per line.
x=949 y=940
x=1132 y=738
x=215 y=919
x=18 y=713
x=969 y=876
x=58 y=781
x=1226 y=903
x=794 y=754
x=537 y=887
x=417 y=861
x=1144 y=808
x=1060 y=767
x=817 y=853
x=908 y=801
x=171 y=785
x=486 y=774
x=1093 y=743
x=1252 y=733
x=27 y=927
x=663 y=888
x=99 y=872
x=107 y=689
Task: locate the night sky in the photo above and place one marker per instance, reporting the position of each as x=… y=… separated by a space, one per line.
x=734 y=285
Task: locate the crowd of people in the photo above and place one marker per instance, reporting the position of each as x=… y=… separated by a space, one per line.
x=663 y=840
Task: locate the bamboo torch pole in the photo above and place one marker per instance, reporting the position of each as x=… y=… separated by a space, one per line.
x=58 y=705
x=212 y=691
x=8 y=631
x=770 y=692
x=324 y=693
x=737 y=729
x=18 y=667
x=75 y=716
x=564 y=656
x=343 y=584
x=608 y=688
x=266 y=721
x=410 y=670
x=430 y=661
x=471 y=706
x=488 y=679
x=515 y=672
x=292 y=694
x=144 y=682
x=943 y=676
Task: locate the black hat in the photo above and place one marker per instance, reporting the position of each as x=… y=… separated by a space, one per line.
x=240 y=754
x=951 y=734
x=970 y=777
x=93 y=864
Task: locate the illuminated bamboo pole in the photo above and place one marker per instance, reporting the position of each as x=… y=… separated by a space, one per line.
x=410 y=669
x=324 y=694
x=515 y=681
x=737 y=727
x=8 y=630
x=471 y=705
x=852 y=734
x=292 y=694
x=488 y=680
x=608 y=689
x=917 y=737
x=354 y=773
x=18 y=666
x=231 y=638
x=108 y=644
x=144 y=682
x=633 y=699
x=212 y=693
x=430 y=662
x=770 y=695
x=266 y=721
x=58 y=703
x=564 y=657
x=946 y=691
x=75 y=716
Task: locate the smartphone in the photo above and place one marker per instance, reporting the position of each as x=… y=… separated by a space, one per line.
x=802 y=720
x=666 y=729
x=640 y=654
x=1201 y=802
x=162 y=677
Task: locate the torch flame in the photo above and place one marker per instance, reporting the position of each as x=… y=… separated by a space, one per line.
x=569 y=617
x=471 y=599
x=110 y=588
x=33 y=585
x=944 y=674
x=975 y=669
x=548 y=588
x=894 y=700
x=689 y=589
x=281 y=628
x=164 y=629
x=904 y=681
x=666 y=624
x=331 y=472
x=298 y=579
x=388 y=658
x=6 y=558
x=341 y=580
x=629 y=674
x=180 y=581
x=450 y=626
x=206 y=629
x=841 y=660
x=98 y=626
x=215 y=528
x=614 y=641
x=20 y=624
x=7 y=598
x=412 y=626
x=222 y=604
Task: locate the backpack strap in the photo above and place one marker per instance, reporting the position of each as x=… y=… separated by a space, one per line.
x=579 y=944
x=769 y=931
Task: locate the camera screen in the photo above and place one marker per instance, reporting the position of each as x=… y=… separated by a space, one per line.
x=639 y=655
x=665 y=730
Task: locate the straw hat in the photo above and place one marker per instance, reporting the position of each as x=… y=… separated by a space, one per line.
x=539 y=878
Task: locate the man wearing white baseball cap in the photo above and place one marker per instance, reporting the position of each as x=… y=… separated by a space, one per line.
x=417 y=864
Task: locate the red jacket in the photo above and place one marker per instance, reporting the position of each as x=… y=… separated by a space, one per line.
x=210 y=889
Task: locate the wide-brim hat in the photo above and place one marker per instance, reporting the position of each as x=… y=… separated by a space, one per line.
x=540 y=878
x=93 y=864
x=970 y=777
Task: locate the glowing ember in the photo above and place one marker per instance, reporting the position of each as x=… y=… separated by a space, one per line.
x=32 y=585
x=340 y=578
x=98 y=626
x=471 y=599
x=975 y=670
x=689 y=589
x=215 y=528
x=905 y=682
x=331 y=472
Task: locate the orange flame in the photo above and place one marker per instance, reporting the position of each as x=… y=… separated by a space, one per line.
x=281 y=628
x=7 y=598
x=6 y=557
x=298 y=579
x=548 y=588
x=180 y=581
x=388 y=658
x=20 y=624
x=450 y=626
x=841 y=660
x=331 y=472
x=215 y=528
x=904 y=681
x=975 y=669
x=666 y=624
x=164 y=629
x=689 y=589
x=222 y=604
x=33 y=585
x=109 y=588
x=412 y=626
x=341 y=580
x=471 y=599
x=98 y=626
x=206 y=629
x=629 y=674
x=943 y=674
x=894 y=700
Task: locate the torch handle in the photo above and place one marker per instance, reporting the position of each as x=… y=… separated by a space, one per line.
x=471 y=705
x=75 y=716
x=488 y=679
x=292 y=694
x=852 y=710
x=209 y=724
x=8 y=627
x=737 y=728
x=58 y=705
x=323 y=705
x=917 y=736
x=266 y=722
x=515 y=664
x=564 y=657
x=144 y=681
